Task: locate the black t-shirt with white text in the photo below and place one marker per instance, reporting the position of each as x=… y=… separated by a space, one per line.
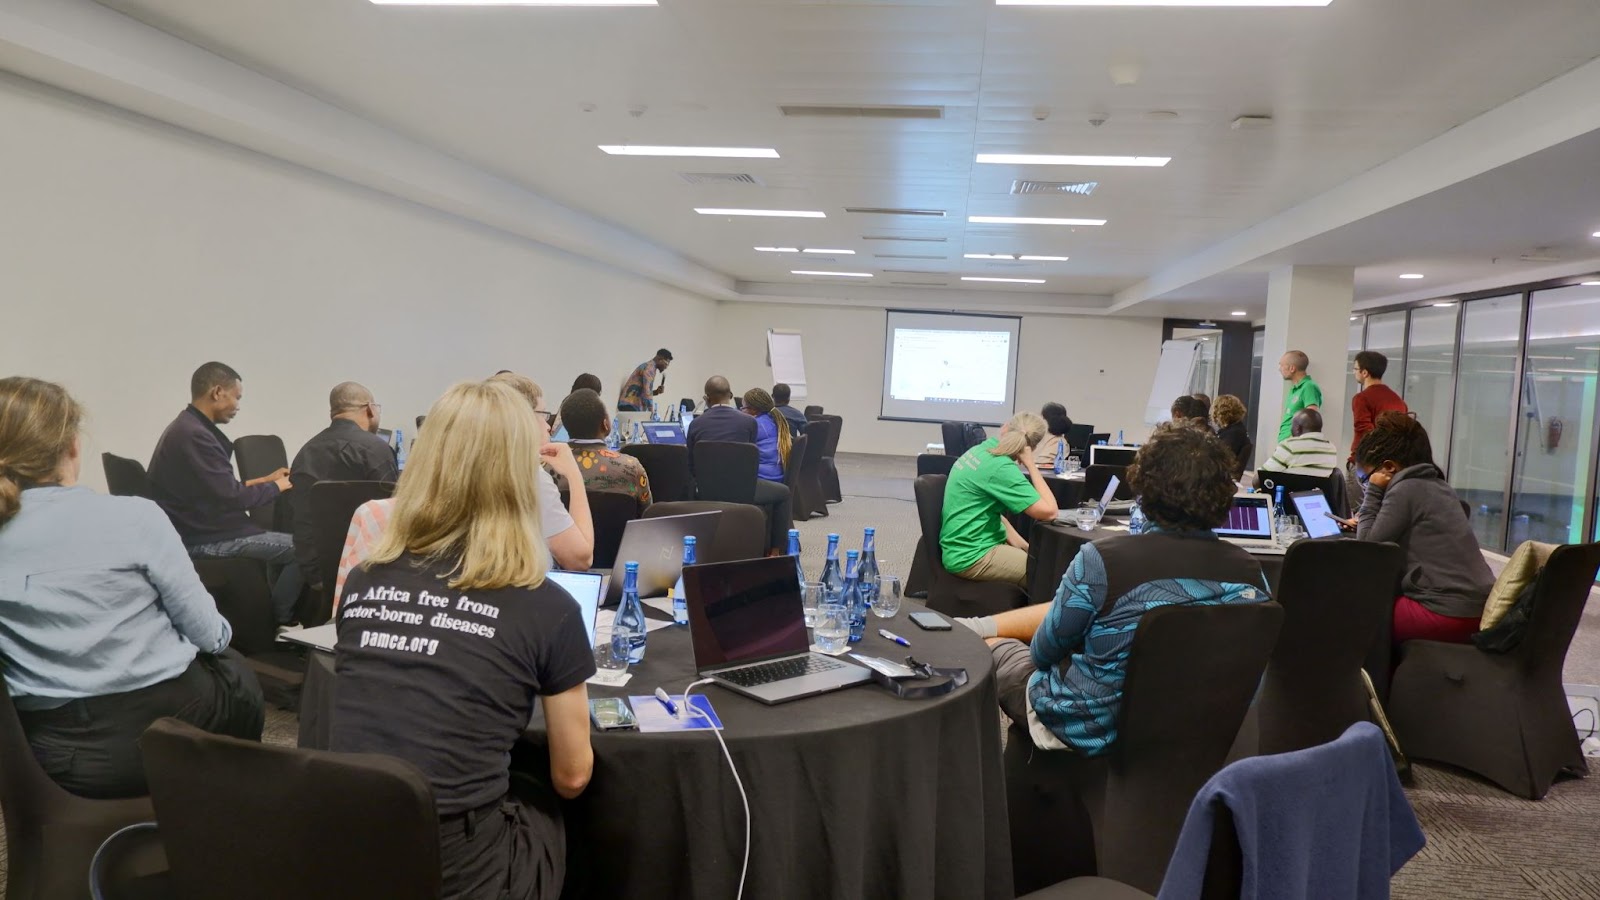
x=446 y=679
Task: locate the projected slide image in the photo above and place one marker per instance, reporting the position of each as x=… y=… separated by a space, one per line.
x=939 y=366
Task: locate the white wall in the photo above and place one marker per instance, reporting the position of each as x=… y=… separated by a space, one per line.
x=1099 y=368
x=131 y=252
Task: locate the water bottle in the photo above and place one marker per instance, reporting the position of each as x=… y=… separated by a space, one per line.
x=399 y=448
x=794 y=551
x=654 y=415
x=1061 y=456
x=1136 y=520
x=1119 y=437
x=832 y=578
x=867 y=574
x=853 y=597
x=614 y=439
x=680 y=602
x=630 y=614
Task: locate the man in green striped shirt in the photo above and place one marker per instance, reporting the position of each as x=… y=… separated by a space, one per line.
x=1307 y=451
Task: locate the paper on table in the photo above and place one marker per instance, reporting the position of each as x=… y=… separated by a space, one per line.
x=661 y=604
x=607 y=617
x=610 y=678
x=653 y=716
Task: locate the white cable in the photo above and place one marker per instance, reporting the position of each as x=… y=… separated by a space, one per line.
x=745 y=869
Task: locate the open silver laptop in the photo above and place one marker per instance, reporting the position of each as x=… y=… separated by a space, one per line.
x=1250 y=524
x=657 y=546
x=750 y=635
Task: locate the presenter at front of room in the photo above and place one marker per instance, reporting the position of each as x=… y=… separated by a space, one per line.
x=640 y=389
x=1303 y=393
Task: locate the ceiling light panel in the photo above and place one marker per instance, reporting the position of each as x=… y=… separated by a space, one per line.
x=863 y=112
x=894 y=211
x=832 y=252
x=514 y=2
x=914 y=240
x=1239 y=312
x=775 y=213
x=833 y=274
x=778 y=249
x=1004 y=280
x=1081 y=188
x=1012 y=257
x=1030 y=220
x=1411 y=276
x=1236 y=3
x=708 y=152
x=1045 y=159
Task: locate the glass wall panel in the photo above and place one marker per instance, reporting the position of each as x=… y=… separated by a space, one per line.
x=1258 y=346
x=1386 y=333
x=1358 y=334
x=1556 y=432
x=1486 y=403
x=1431 y=372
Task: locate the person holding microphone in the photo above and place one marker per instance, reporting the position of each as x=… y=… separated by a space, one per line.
x=640 y=388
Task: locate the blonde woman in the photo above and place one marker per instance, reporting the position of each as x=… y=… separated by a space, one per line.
x=996 y=477
x=1228 y=413
x=449 y=631
x=104 y=625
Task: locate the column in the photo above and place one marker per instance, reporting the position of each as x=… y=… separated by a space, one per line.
x=1308 y=309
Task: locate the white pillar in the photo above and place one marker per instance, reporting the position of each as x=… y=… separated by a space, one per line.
x=1308 y=309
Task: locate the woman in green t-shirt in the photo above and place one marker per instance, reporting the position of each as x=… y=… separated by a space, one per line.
x=996 y=477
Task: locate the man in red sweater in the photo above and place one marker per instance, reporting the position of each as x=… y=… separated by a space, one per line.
x=1374 y=397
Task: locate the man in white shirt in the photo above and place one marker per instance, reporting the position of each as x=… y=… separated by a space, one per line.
x=1307 y=451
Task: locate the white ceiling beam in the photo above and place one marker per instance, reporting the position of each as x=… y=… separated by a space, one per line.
x=84 y=48
x=1556 y=111
x=936 y=298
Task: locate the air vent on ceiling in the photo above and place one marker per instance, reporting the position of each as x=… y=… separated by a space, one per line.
x=720 y=178
x=895 y=237
x=920 y=283
x=892 y=211
x=907 y=256
x=911 y=272
x=864 y=112
x=1024 y=186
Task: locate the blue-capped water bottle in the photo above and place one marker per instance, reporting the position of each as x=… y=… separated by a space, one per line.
x=614 y=439
x=832 y=577
x=1137 y=523
x=680 y=602
x=1061 y=456
x=630 y=613
x=794 y=551
x=867 y=574
x=853 y=597
x=399 y=448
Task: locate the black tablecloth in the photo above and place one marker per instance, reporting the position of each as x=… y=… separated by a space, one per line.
x=853 y=794
x=1052 y=545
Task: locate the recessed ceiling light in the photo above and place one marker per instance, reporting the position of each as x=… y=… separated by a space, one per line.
x=780 y=213
x=1162 y=2
x=839 y=274
x=1027 y=220
x=1012 y=257
x=830 y=252
x=514 y=2
x=1590 y=283
x=720 y=152
x=1353 y=318
x=1044 y=258
x=1445 y=303
x=778 y=249
x=1596 y=234
x=1411 y=276
x=1005 y=280
x=1035 y=159
x=1005 y=256
x=1239 y=312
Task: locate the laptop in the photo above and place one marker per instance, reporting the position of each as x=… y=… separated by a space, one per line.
x=585 y=587
x=1315 y=513
x=657 y=546
x=664 y=433
x=1112 y=454
x=1249 y=524
x=750 y=636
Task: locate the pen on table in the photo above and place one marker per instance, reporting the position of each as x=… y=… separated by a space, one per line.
x=888 y=635
x=666 y=701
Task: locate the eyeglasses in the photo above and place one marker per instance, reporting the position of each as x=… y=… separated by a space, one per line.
x=376 y=407
x=549 y=417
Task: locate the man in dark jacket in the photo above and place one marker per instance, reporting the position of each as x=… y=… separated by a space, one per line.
x=349 y=449
x=192 y=480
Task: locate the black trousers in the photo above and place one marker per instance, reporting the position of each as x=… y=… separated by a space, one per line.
x=514 y=849
x=774 y=500
x=91 y=746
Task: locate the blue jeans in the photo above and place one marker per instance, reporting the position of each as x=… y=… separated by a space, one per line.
x=273 y=548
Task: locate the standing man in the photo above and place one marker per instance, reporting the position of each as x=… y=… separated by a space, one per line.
x=192 y=480
x=796 y=418
x=639 y=389
x=1373 y=398
x=349 y=449
x=1303 y=392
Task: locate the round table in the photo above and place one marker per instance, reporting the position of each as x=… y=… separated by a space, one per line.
x=852 y=794
x=1052 y=545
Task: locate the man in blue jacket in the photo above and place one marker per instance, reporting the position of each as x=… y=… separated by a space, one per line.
x=192 y=480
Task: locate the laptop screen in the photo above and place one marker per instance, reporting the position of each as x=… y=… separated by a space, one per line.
x=1249 y=517
x=663 y=432
x=744 y=611
x=1112 y=455
x=1110 y=493
x=585 y=587
x=1314 y=512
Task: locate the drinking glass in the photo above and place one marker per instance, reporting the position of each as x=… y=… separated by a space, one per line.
x=887 y=603
x=833 y=628
x=1088 y=516
x=1073 y=465
x=611 y=649
x=810 y=599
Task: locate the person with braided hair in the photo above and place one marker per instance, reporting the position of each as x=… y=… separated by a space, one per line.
x=1408 y=502
x=773 y=436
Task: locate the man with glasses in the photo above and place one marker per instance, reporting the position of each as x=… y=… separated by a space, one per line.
x=349 y=449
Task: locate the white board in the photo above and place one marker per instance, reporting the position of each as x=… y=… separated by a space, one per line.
x=787 y=358
x=1173 y=375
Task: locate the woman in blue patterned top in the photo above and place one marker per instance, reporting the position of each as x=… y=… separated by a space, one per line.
x=1066 y=688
